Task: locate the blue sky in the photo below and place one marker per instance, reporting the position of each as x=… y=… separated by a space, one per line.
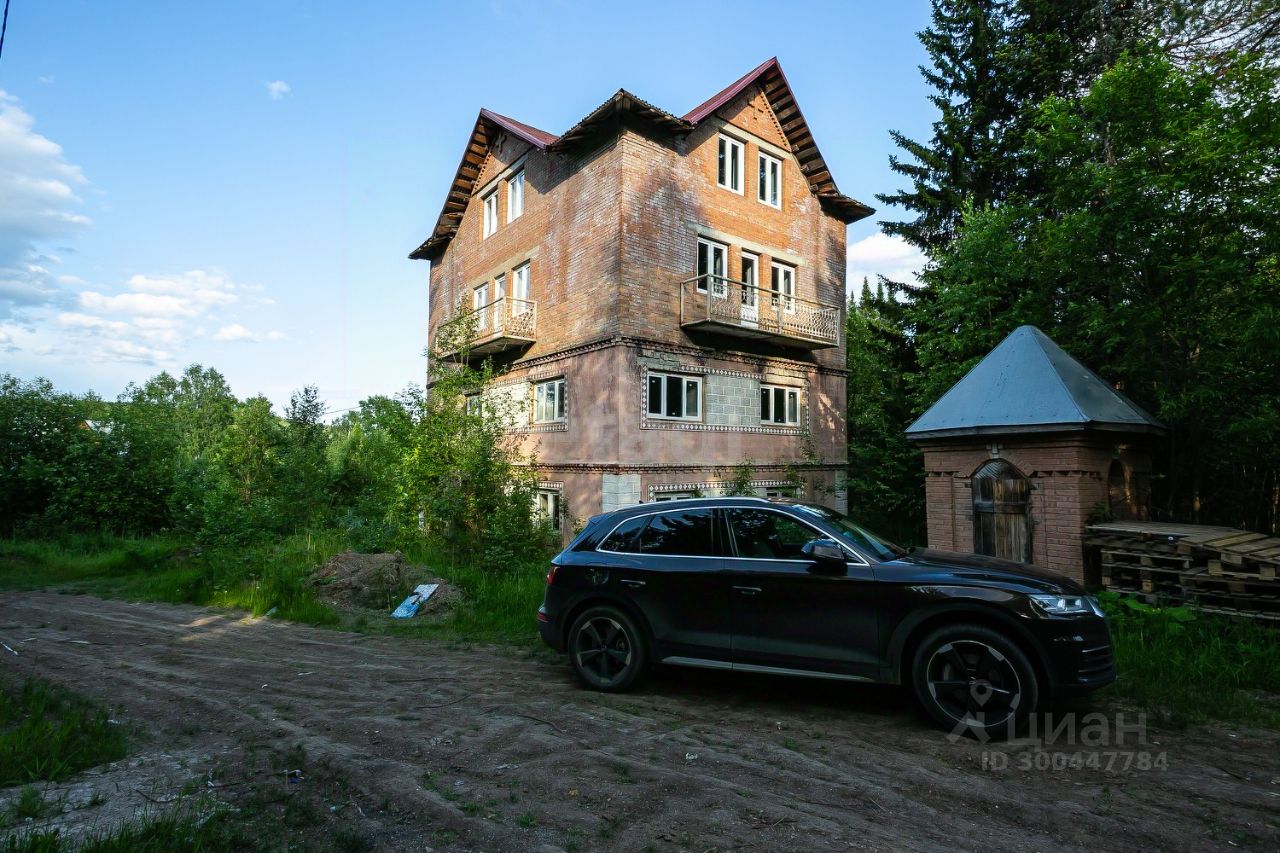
x=239 y=184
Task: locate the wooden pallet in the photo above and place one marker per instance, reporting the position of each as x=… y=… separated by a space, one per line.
x=1216 y=569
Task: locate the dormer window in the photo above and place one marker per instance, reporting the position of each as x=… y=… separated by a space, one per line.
x=491 y=213
x=729 y=164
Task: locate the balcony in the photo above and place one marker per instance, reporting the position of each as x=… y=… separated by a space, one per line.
x=506 y=323
x=714 y=303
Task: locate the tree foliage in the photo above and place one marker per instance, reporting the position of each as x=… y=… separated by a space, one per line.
x=1152 y=249
x=884 y=482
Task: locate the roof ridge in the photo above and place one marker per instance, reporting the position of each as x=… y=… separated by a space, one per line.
x=1040 y=337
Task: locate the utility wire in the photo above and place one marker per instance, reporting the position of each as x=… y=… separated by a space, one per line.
x=4 y=26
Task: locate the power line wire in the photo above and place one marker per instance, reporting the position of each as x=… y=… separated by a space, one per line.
x=4 y=26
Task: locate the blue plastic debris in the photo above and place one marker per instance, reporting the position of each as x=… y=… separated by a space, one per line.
x=409 y=607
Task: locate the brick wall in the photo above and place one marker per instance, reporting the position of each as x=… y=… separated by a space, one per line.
x=609 y=234
x=1068 y=474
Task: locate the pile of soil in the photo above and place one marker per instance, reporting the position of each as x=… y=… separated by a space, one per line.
x=353 y=581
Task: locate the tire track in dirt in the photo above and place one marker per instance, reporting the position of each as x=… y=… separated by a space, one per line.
x=520 y=758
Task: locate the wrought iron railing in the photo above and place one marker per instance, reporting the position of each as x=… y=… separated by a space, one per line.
x=506 y=317
x=757 y=310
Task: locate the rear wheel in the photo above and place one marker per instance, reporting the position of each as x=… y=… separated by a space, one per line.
x=974 y=681
x=606 y=649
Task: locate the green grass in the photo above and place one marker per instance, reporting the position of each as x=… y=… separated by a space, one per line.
x=1185 y=666
x=48 y=733
x=180 y=831
x=274 y=576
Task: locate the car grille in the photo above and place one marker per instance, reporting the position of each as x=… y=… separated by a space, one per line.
x=1097 y=664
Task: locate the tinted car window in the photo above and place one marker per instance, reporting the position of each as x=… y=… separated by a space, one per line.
x=765 y=535
x=626 y=538
x=686 y=533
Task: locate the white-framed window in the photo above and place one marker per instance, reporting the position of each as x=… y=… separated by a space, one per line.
x=548 y=401
x=490 y=213
x=673 y=496
x=547 y=506
x=515 y=195
x=783 y=284
x=675 y=396
x=750 y=278
x=769 y=186
x=713 y=266
x=480 y=302
x=520 y=289
x=729 y=161
x=779 y=405
x=475 y=404
x=780 y=492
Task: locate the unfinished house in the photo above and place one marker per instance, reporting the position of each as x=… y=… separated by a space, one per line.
x=663 y=296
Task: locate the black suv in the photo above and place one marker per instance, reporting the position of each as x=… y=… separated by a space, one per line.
x=792 y=588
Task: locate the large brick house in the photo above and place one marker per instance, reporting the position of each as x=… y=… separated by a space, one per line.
x=663 y=296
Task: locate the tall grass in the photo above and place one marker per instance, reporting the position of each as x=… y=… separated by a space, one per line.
x=48 y=733
x=1187 y=666
x=499 y=601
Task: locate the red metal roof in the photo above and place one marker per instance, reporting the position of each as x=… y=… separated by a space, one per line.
x=728 y=93
x=530 y=134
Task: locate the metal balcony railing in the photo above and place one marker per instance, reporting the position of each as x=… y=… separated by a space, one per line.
x=720 y=304
x=504 y=323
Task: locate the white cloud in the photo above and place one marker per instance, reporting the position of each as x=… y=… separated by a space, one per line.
x=277 y=90
x=234 y=332
x=881 y=254
x=46 y=78
x=239 y=334
x=39 y=189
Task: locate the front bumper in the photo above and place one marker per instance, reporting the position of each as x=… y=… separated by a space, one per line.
x=1080 y=655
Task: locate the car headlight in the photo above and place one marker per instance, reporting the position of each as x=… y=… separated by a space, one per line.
x=1067 y=605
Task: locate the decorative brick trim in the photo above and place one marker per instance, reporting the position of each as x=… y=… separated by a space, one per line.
x=624 y=468
x=677 y=349
x=659 y=488
x=700 y=426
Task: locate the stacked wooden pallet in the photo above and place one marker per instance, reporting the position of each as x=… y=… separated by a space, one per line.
x=1212 y=568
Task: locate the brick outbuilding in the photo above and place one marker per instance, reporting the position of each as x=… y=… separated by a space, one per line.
x=1024 y=449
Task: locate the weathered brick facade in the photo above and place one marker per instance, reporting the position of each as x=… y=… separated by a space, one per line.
x=1069 y=481
x=609 y=230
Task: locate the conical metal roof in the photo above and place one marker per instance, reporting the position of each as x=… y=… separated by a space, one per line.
x=1030 y=384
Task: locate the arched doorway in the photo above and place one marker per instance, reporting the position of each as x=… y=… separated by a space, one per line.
x=1118 y=497
x=1001 y=525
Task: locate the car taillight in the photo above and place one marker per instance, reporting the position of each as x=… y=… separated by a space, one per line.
x=551 y=574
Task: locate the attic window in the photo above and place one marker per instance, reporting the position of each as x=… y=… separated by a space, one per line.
x=515 y=195
x=490 y=213
x=769 y=188
x=729 y=164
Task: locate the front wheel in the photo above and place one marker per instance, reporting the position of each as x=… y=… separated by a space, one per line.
x=606 y=649
x=974 y=681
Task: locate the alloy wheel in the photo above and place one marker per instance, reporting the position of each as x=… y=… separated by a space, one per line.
x=603 y=651
x=973 y=683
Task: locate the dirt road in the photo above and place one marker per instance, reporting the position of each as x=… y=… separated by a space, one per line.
x=413 y=745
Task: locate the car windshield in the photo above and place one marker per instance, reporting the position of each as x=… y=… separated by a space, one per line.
x=854 y=534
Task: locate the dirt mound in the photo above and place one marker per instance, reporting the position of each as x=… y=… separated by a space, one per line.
x=378 y=582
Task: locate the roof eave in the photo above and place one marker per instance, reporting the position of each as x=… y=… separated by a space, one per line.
x=1024 y=429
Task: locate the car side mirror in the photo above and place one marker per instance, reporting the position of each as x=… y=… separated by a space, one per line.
x=826 y=555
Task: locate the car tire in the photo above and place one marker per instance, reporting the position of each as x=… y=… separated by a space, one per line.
x=974 y=681
x=607 y=650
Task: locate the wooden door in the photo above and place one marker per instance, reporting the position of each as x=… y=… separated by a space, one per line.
x=1001 y=526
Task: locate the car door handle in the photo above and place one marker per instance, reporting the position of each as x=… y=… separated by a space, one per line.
x=747 y=590
x=633 y=584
